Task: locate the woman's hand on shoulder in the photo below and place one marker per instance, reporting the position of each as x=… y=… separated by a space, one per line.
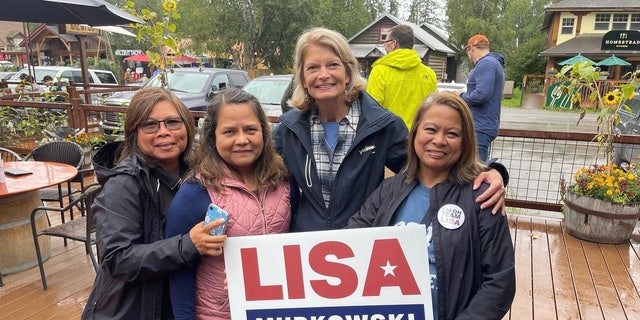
x=494 y=195
x=205 y=243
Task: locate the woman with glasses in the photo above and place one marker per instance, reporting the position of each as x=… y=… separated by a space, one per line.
x=138 y=186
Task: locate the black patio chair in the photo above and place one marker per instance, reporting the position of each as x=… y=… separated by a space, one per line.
x=66 y=152
x=79 y=229
x=9 y=155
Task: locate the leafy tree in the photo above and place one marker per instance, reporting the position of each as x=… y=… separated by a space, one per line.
x=159 y=32
x=264 y=31
x=250 y=32
x=377 y=8
x=426 y=11
x=512 y=26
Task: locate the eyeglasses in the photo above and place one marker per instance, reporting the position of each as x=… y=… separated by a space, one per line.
x=388 y=40
x=152 y=126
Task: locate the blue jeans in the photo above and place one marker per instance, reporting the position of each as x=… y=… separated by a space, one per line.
x=484 y=145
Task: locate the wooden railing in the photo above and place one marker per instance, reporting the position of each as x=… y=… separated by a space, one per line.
x=539 y=162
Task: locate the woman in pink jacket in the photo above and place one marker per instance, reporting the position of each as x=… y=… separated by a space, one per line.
x=238 y=170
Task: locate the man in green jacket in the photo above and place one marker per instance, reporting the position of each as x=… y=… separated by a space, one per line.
x=399 y=81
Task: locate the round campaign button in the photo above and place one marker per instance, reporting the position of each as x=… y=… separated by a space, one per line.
x=451 y=216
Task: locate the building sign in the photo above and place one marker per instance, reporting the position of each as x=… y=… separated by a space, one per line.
x=370 y=273
x=127 y=52
x=78 y=29
x=621 y=40
x=557 y=95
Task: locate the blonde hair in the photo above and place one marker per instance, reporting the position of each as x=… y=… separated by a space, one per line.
x=338 y=44
x=468 y=166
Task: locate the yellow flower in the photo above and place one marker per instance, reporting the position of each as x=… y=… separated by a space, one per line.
x=610 y=99
x=609 y=183
x=169 y=5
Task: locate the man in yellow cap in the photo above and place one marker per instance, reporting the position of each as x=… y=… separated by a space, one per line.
x=399 y=81
x=485 y=84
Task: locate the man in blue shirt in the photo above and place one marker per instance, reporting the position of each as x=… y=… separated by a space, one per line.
x=484 y=91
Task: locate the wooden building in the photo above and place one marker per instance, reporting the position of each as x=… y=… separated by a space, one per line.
x=430 y=43
x=588 y=27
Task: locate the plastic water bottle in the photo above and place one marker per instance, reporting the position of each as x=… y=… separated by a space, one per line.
x=2 y=180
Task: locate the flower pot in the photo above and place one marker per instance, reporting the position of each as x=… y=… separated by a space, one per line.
x=599 y=221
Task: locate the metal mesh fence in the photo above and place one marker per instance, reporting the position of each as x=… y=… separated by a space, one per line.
x=538 y=162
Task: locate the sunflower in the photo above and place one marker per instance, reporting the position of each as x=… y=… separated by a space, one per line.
x=169 y=5
x=610 y=98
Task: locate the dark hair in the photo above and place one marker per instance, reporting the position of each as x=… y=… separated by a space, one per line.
x=269 y=168
x=47 y=78
x=468 y=166
x=140 y=107
x=404 y=35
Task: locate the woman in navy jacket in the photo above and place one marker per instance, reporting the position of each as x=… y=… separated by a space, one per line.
x=471 y=258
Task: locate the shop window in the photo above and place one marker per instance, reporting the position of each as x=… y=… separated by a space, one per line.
x=567 y=25
x=620 y=21
x=634 y=21
x=602 y=21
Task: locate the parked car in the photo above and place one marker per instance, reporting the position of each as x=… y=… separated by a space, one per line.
x=194 y=86
x=6 y=75
x=7 y=64
x=62 y=76
x=269 y=91
x=66 y=74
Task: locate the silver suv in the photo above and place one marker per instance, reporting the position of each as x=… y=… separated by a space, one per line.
x=66 y=74
x=63 y=75
x=194 y=86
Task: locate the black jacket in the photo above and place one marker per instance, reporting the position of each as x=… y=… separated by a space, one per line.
x=474 y=263
x=135 y=258
x=380 y=142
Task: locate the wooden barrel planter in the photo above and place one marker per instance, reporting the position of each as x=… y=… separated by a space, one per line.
x=599 y=221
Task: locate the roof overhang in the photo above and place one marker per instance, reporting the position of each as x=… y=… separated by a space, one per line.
x=361 y=51
x=587 y=44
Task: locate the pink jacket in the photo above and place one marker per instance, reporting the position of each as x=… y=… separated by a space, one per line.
x=270 y=212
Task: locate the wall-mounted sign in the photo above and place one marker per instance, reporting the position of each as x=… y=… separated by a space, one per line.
x=78 y=29
x=621 y=40
x=127 y=52
x=557 y=96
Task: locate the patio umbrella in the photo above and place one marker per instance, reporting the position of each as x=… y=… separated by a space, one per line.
x=184 y=58
x=91 y=12
x=575 y=59
x=613 y=61
x=138 y=57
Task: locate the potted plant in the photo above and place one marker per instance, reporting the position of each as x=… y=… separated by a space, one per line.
x=603 y=205
x=87 y=143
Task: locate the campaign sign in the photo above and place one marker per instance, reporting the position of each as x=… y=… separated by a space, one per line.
x=354 y=274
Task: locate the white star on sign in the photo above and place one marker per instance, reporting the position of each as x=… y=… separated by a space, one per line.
x=388 y=269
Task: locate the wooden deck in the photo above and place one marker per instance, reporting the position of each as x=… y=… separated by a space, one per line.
x=558 y=277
